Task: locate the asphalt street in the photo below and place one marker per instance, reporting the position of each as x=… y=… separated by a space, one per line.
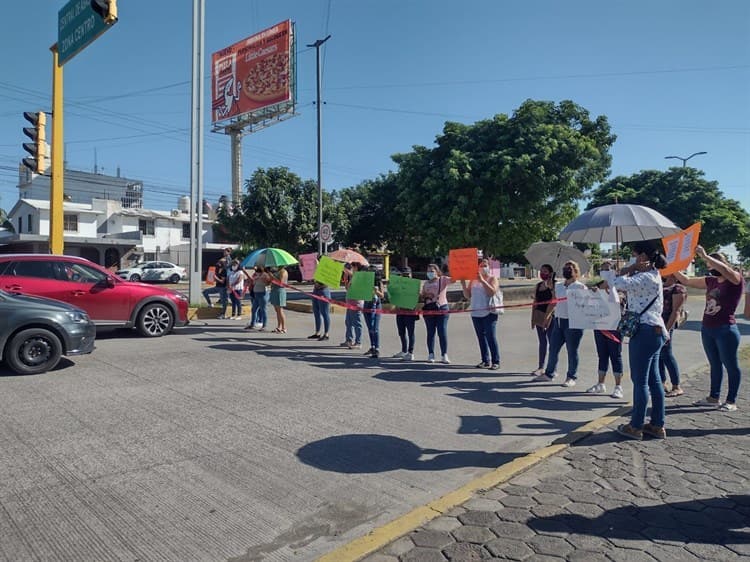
x=219 y=444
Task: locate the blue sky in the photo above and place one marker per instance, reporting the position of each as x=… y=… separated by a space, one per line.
x=673 y=77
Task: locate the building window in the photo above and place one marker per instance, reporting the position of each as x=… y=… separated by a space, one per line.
x=70 y=223
x=29 y=223
x=146 y=227
x=186 y=230
x=20 y=225
x=149 y=256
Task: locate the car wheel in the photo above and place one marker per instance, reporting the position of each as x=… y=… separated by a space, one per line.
x=135 y=277
x=155 y=320
x=174 y=278
x=33 y=351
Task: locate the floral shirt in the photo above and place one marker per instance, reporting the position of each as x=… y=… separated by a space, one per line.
x=641 y=289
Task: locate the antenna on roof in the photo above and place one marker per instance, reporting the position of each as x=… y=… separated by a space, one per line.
x=95 y=166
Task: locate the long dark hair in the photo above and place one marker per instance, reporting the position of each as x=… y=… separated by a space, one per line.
x=551 y=270
x=654 y=255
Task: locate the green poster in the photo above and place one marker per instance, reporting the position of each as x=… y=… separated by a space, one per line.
x=329 y=272
x=403 y=292
x=362 y=285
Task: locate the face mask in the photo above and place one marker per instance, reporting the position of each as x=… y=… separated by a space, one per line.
x=567 y=273
x=486 y=270
x=714 y=272
x=235 y=268
x=430 y=275
x=544 y=275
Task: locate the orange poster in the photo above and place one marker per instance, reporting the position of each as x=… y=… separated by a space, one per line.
x=462 y=263
x=680 y=248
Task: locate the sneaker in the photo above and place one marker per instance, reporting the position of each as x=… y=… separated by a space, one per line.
x=399 y=355
x=314 y=337
x=539 y=371
x=355 y=346
x=598 y=388
x=258 y=326
x=728 y=407
x=247 y=327
x=617 y=392
x=495 y=366
x=445 y=359
x=569 y=382
x=375 y=354
x=431 y=358
x=221 y=317
x=483 y=365
x=654 y=431
x=707 y=401
x=369 y=351
x=346 y=343
x=544 y=377
x=324 y=337
x=629 y=431
x=408 y=357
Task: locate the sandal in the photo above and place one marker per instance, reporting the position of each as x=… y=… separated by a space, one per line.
x=277 y=331
x=672 y=393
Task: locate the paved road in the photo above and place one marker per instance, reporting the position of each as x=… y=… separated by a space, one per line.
x=219 y=444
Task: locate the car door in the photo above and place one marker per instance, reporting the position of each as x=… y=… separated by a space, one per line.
x=107 y=302
x=35 y=277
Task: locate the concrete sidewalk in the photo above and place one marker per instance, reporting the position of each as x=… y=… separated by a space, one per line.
x=608 y=498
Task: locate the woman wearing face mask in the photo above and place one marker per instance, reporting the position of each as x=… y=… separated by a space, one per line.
x=236 y=289
x=675 y=295
x=542 y=313
x=642 y=283
x=277 y=297
x=481 y=290
x=719 y=333
x=561 y=332
x=434 y=296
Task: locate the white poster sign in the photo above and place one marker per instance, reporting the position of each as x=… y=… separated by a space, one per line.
x=593 y=310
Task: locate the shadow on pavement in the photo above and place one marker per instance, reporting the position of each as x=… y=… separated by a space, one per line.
x=372 y=453
x=710 y=521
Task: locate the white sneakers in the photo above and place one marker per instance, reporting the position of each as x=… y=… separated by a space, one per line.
x=445 y=359
x=598 y=388
x=543 y=377
x=617 y=392
x=568 y=383
x=431 y=358
x=407 y=357
x=399 y=355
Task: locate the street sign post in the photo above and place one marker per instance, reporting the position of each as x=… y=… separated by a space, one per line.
x=79 y=23
x=325 y=232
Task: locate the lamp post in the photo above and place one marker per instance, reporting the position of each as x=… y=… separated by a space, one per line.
x=317 y=45
x=684 y=160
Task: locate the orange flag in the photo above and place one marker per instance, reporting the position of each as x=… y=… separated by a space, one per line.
x=680 y=248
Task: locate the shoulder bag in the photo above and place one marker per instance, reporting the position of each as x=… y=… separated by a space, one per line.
x=630 y=321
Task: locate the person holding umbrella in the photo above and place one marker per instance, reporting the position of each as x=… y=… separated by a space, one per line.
x=642 y=283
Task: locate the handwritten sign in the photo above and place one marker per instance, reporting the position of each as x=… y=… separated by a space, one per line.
x=361 y=286
x=307 y=264
x=328 y=272
x=495 y=269
x=462 y=263
x=403 y=292
x=593 y=310
x=680 y=248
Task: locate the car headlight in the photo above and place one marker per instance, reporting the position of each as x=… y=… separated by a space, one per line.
x=78 y=316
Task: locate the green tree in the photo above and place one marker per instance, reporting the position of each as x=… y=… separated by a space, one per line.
x=5 y=221
x=502 y=183
x=683 y=195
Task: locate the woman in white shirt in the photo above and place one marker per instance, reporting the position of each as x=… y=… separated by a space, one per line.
x=481 y=290
x=642 y=283
x=561 y=332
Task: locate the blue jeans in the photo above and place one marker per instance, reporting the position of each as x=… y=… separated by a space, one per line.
x=720 y=345
x=668 y=363
x=405 y=324
x=353 y=323
x=485 y=328
x=236 y=303
x=608 y=351
x=372 y=321
x=223 y=297
x=322 y=310
x=437 y=323
x=543 y=335
x=571 y=337
x=643 y=353
x=260 y=308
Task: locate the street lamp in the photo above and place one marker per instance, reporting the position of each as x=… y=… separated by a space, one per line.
x=684 y=160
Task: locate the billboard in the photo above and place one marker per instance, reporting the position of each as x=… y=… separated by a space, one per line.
x=253 y=74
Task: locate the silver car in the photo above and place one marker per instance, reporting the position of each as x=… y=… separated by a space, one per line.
x=36 y=332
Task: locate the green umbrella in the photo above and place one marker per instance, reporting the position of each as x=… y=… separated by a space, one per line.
x=269 y=257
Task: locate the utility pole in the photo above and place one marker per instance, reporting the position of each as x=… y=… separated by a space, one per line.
x=196 y=154
x=317 y=46
x=57 y=177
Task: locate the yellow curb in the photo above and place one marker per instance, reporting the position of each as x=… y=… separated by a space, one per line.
x=386 y=534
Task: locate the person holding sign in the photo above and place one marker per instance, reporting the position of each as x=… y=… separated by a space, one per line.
x=405 y=323
x=719 y=333
x=353 y=319
x=321 y=308
x=481 y=290
x=642 y=282
x=435 y=298
x=373 y=306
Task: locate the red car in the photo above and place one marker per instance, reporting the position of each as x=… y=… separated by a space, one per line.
x=108 y=300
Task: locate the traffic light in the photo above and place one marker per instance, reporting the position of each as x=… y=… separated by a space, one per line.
x=38 y=149
x=107 y=10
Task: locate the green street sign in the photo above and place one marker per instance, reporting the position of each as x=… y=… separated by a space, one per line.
x=78 y=24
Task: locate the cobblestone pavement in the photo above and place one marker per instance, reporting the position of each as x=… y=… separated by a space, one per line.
x=607 y=498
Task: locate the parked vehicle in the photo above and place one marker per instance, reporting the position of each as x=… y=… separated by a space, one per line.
x=106 y=298
x=153 y=271
x=36 y=332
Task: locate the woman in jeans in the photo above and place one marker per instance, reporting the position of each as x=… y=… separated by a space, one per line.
x=321 y=308
x=372 y=311
x=405 y=324
x=543 y=313
x=434 y=296
x=642 y=283
x=719 y=332
x=562 y=334
x=481 y=290
x=675 y=295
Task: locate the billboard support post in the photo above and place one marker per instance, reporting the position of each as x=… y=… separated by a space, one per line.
x=196 y=155
x=236 y=137
x=317 y=46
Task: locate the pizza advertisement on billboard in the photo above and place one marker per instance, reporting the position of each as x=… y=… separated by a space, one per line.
x=253 y=74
